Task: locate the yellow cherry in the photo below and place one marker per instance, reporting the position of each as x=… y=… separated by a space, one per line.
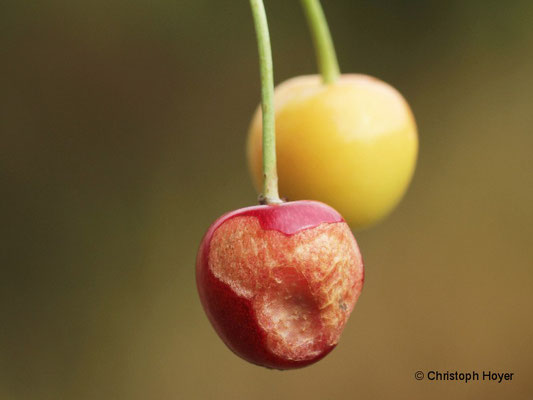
x=351 y=143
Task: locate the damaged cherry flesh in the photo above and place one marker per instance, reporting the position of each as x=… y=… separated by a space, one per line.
x=278 y=282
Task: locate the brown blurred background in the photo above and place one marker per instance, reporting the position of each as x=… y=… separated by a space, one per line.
x=122 y=138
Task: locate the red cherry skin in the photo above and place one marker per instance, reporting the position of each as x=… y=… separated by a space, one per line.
x=278 y=282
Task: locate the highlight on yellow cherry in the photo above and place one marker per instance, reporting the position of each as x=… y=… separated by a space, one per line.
x=351 y=143
x=347 y=140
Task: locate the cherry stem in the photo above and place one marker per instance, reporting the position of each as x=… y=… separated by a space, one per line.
x=270 y=175
x=325 y=50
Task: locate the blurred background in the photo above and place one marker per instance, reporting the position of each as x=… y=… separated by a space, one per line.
x=122 y=129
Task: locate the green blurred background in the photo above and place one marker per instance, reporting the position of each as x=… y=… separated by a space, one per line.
x=123 y=127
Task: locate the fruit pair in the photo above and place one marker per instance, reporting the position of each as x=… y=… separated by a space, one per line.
x=278 y=281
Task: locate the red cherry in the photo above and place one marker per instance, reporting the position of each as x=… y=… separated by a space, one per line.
x=278 y=282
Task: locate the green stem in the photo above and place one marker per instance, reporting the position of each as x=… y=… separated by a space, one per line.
x=325 y=51
x=270 y=175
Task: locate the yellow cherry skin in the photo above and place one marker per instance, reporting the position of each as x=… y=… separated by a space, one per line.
x=352 y=144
